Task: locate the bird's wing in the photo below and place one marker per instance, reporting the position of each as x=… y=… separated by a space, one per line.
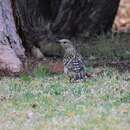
x=68 y=59
x=76 y=65
x=81 y=60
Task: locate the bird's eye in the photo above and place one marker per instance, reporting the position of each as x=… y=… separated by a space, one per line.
x=64 y=42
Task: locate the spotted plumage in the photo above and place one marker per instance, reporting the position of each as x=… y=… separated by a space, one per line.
x=74 y=66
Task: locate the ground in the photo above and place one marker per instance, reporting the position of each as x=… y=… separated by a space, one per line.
x=44 y=100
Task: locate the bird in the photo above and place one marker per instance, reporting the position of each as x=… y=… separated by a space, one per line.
x=74 y=66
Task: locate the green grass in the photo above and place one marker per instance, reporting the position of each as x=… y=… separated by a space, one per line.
x=107 y=47
x=45 y=101
x=51 y=102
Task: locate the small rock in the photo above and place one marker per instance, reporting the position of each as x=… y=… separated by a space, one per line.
x=36 y=53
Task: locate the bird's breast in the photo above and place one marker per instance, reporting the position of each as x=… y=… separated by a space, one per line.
x=77 y=66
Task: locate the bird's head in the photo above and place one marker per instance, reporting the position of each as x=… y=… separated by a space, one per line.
x=66 y=44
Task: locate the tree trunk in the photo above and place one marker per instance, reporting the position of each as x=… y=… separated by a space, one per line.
x=84 y=17
x=42 y=20
x=11 y=50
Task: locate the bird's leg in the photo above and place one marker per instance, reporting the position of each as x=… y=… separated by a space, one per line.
x=70 y=79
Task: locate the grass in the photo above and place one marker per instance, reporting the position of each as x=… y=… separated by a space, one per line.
x=107 y=47
x=100 y=103
x=45 y=101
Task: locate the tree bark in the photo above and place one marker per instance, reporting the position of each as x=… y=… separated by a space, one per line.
x=11 y=49
x=84 y=17
x=46 y=19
